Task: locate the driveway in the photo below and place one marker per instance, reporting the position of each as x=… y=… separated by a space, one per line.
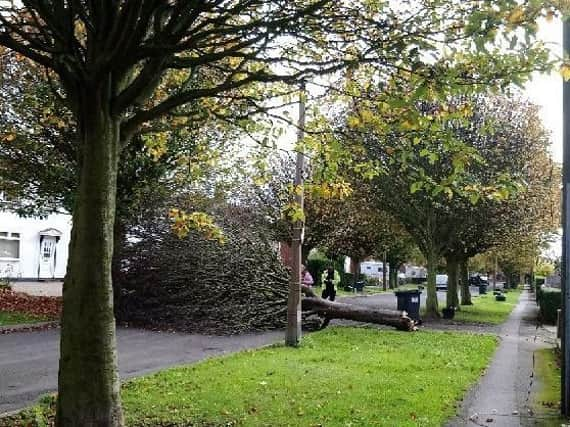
x=28 y=361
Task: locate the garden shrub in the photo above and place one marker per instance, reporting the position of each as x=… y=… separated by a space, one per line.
x=550 y=301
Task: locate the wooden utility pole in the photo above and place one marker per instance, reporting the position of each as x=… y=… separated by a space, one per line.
x=293 y=332
x=565 y=384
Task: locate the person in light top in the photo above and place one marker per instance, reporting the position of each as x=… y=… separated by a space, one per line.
x=306 y=278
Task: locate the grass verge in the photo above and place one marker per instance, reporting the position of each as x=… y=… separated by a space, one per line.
x=486 y=310
x=338 y=377
x=546 y=399
x=13 y=318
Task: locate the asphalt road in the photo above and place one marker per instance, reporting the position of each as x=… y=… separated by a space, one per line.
x=388 y=299
x=28 y=360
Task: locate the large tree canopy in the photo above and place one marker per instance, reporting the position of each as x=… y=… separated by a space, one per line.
x=468 y=182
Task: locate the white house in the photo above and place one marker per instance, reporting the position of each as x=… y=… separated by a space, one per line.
x=371 y=268
x=34 y=248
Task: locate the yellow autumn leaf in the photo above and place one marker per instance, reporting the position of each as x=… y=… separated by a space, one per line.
x=353 y=121
x=516 y=16
x=565 y=71
x=409 y=125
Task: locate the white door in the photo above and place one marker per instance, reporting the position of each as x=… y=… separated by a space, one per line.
x=47 y=257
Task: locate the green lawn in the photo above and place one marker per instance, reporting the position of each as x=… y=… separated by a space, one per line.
x=486 y=310
x=14 y=318
x=339 y=377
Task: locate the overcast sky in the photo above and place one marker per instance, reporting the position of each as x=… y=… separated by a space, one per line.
x=546 y=90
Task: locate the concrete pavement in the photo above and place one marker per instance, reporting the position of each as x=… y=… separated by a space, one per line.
x=28 y=361
x=501 y=398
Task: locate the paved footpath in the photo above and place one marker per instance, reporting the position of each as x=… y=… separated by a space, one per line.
x=28 y=360
x=501 y=398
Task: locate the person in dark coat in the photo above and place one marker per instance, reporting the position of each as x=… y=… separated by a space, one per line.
x=329 y=290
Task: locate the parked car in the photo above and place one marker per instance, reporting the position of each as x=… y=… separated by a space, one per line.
x=478 y=280
x=441 y=282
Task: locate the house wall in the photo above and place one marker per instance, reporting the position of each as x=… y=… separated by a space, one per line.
x=373 y=268
x=29 y=228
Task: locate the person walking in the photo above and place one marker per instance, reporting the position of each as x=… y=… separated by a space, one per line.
x=329 y=291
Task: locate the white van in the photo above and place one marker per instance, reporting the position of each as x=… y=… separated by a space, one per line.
x=441 y=282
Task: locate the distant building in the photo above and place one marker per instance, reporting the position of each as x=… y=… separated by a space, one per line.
x=414 y=273
x=34 y=248
x=373 y=268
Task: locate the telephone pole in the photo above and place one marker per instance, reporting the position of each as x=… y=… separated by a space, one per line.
x=565 y=385
x=293 y=332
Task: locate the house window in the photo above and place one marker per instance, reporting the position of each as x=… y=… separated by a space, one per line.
x=47 y=251
x=9 y=245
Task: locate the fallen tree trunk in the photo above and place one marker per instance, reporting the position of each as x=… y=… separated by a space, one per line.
x=329 y=310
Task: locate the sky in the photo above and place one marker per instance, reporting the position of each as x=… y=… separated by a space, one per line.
x=546 y=90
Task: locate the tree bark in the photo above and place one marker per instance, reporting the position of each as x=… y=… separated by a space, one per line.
x=356 y=267
x=452 y=281
x=118 y=242
x=393 y=281
x=305 y=249
x=464 y=278
x=337 y=310
x=384 y=263
x=431 y=300
x=89 y=387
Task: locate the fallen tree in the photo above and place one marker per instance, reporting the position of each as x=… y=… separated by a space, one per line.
x=192 y=284
x=329 y=310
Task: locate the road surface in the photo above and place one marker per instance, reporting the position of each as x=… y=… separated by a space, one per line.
x=28 y=360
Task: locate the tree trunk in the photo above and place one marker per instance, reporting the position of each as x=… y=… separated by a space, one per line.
x=452 y=280
x=464 y=278
x=89 y=387
x=431 y=300
x=393 y=277
x=356 y=267
x=384 y=284
x=337 y=310
x=305 y=249
x=118 y=242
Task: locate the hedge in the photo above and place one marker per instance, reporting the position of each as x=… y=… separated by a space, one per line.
x=550 y=300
